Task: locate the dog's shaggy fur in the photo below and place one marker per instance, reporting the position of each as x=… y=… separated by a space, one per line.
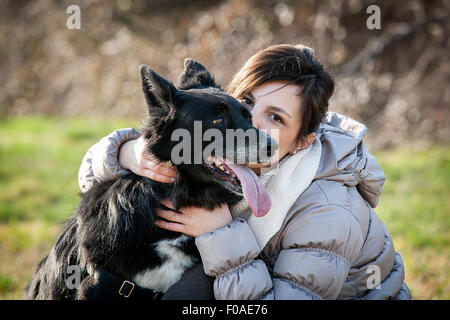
x=114 y=225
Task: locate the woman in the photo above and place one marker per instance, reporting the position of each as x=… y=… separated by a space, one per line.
x=321 y=239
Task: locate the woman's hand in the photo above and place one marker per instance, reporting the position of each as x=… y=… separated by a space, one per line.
x=134 y=156
x=193 y=221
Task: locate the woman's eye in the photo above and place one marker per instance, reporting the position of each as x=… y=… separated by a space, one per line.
x=276 y=118
x=219 y=121
x=246 y=101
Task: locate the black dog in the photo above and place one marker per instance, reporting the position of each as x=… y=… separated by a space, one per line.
x=113 y=227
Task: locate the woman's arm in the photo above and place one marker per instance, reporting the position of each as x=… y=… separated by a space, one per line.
x=228 y=249
x=230 y=255
x=317 y=250
x=117 y=154
x=100 y=163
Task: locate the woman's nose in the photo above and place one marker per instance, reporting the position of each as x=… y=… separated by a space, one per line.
x=256 y=123
x=255 y=120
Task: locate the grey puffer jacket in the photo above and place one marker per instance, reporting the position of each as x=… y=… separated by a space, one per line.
x=332 y=245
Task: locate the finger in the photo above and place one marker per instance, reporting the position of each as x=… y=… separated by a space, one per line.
x=167 y=203
x=169 y=164
x=149 y=161
x=169 y=215
x=171 y=226
x=156 y=176
x=162 y=169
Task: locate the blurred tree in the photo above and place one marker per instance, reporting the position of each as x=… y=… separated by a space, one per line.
x=394 y=79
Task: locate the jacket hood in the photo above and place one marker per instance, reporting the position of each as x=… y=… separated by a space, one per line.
x=346 y=159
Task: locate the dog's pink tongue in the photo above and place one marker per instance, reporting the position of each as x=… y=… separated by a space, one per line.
x=255 y=194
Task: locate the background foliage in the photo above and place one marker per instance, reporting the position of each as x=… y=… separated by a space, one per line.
x=61 y=90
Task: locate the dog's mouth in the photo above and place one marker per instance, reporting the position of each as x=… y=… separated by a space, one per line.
x=242 y=180
x=220 y=169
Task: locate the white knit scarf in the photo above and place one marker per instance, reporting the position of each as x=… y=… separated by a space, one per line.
x=284 y=184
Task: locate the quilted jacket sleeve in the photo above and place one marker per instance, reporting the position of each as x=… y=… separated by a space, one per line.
x=317 y=250
x=230 y=254
x=100 y=163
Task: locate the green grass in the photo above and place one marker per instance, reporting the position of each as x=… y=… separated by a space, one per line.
x=39 y=161
x=416 y=211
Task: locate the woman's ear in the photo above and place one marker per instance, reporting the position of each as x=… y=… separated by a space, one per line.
x=305 y=142
x=309 y=140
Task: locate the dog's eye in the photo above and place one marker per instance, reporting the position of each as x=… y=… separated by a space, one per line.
x=219 y=121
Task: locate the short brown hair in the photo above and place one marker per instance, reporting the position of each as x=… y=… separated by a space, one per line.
x=295 y=64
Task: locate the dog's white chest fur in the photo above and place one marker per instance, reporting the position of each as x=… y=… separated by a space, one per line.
x=170 y=271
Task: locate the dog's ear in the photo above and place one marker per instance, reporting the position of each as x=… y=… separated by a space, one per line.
x=195 y=75
x=159 y=93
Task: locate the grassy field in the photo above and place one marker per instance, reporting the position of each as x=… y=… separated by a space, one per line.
x=39 y=161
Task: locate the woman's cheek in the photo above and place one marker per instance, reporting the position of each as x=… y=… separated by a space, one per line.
x=283 y=145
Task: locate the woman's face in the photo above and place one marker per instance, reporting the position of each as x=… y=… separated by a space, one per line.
x=276 y=105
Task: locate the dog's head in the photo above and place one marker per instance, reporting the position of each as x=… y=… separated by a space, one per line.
x=207 y=133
